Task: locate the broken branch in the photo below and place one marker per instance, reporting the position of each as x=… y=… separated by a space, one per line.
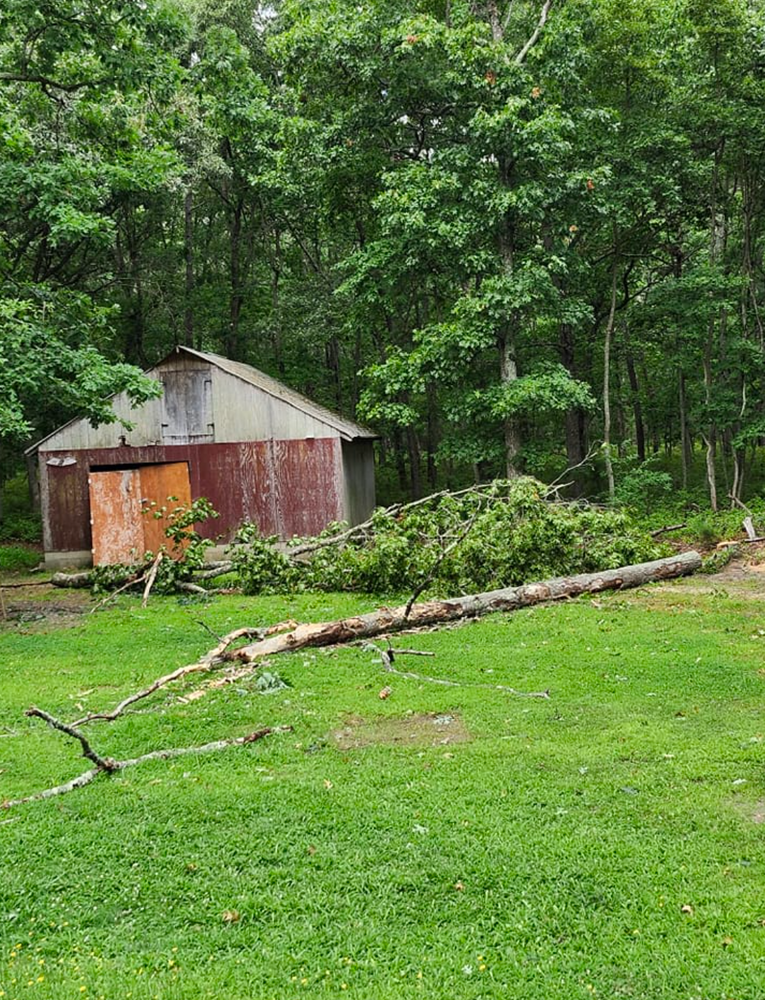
x=666 y=528
x=125 y=586
x=207 y=662
x=118 y=765
x=102 y=763
x=151 y=576
x=437 y=564
x=387 y=656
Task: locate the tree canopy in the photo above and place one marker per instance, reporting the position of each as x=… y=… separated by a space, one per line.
x=505 y=234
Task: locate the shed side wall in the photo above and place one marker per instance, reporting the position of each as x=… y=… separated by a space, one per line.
x=286 y=487
x=359 y=480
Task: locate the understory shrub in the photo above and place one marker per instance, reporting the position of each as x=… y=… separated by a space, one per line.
x=643 y=489
x=500 y=535
x=17 y=558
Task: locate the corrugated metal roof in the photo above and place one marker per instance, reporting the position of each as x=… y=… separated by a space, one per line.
x=347 y=428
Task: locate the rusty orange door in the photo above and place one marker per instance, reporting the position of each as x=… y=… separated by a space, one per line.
x=158 y=484
x=121 y=532
x=115 y=517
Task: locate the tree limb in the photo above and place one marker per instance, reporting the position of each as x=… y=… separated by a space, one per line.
x=207 y=662
x=387 y=657
x=102 y=763
x=125 y=586
x=151 y=576
x=535 y=34
x=436 y=565
x=438 y=612
x=118 y=765
x=46 y=81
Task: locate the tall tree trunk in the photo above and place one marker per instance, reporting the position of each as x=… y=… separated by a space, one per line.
x=332 y=357
x=235 y=276
x=715 y=241
x=739 y=454
x=508 y=369
x=576 y=447
x=508 y=365
x=276 y=309
x=398 y=455
x=637 y=408
x=432 y=438
x=607 y=380
x=710 y=438
x=413 y=444
x=33 y=480
x=685 y=441
x=188 y=247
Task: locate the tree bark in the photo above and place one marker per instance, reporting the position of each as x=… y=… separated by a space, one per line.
x=637 y=409
x=33 y=479
x=235 y=276
x=607 y=383
x=438 y=612
x=685 y=441
x=188 y=253
x=576 y=446
x=508 y=374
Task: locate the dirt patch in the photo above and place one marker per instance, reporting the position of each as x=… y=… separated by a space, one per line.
x=753 y=811
x=32 y=608
x=758 y=813
x=431 y=730
x=739 y=579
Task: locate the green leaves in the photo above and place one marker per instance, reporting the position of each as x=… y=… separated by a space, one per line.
x=548 y=390
x=49 y=366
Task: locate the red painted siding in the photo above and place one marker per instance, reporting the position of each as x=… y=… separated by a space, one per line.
x=286 y=487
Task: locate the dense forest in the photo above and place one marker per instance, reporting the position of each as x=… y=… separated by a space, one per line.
x=508 y=235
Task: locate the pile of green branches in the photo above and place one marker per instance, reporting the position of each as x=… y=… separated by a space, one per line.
x=497 y=535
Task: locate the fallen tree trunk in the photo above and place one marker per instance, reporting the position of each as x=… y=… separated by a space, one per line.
x=71 y=579
x=287 y=636
x=436 y=612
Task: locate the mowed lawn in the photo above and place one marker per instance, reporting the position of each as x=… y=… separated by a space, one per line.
x=445 y=842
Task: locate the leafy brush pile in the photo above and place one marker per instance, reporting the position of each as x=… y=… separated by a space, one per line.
x=499 y=535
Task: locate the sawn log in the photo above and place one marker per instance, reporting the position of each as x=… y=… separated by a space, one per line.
x=435 y=612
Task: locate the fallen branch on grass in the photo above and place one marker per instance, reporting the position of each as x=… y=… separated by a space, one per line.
x=119 y=765
x=102 y=763
x=387 y=657
x=208 y=661
x=217 y=656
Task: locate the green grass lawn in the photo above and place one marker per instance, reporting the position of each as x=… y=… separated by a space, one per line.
x=445 y=843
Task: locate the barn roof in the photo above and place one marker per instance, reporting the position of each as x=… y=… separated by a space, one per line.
x=347 y=429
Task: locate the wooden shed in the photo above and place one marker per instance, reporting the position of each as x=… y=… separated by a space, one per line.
x=223 y=430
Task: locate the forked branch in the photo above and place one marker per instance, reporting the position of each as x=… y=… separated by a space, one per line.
x=119 y=765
